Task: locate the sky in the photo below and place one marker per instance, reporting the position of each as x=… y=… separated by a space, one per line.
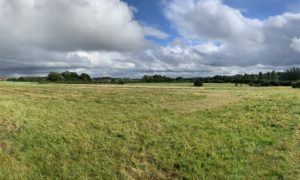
x=132 y=38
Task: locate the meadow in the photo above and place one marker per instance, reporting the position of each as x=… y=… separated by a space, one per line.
x=148 y=131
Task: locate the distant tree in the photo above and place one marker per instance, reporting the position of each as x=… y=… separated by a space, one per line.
x=293 y=74
x=31 y=79
x=21 y=79
x=70 y=76
x=147 y=79
x=260 y=76
x=85 y=77
x=179 y=79
x=157 y=79
x=74 y=76
x=66 y=75
x=198 y=83
x=274 y=76
x=55 y=77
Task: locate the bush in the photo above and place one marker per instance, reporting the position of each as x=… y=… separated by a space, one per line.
x=121 y=82
x=296 y=84
x=265 y=83
x=274 y=83
x=285 y=83
x=198 y=83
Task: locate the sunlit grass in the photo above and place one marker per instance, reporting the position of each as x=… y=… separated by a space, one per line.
x=148 y=131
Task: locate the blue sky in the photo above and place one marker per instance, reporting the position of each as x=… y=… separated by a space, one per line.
x=151 y=12
x=262 y=8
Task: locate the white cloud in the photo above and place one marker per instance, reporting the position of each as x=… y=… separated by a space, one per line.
x=154 y=32
x=295 y=44
x=38 y=36
x=70 y=25
x=208 y=48
x=103 y=38
x=245 y=41
x=211 y=19
x=106 y=59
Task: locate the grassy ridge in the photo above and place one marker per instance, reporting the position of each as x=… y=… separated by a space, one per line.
x=145 y=131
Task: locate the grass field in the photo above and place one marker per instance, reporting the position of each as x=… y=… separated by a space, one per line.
x=148 y=131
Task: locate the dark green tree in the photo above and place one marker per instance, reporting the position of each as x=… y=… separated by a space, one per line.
x=85 y=77
x=296 y=84
x=55 y=77
x=70 y=76
x=198 y=83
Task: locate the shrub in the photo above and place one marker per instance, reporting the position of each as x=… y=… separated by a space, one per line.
x=274 y=83
x=296 y=84
x=285 y=83
x=121 y=82
x=265 y=83
x=198 y=83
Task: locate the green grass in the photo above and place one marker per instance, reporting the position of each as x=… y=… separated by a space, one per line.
x=148 y=131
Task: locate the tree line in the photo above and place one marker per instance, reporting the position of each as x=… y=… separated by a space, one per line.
x=68 y=77
x=64 y=77
x=289 y=77
x=261 y=79
x=286 y=78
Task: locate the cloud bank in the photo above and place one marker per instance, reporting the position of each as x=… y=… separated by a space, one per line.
x=69 y=25
x=104 y=38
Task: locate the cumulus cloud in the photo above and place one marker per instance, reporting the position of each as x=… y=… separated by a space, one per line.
x=245 y=41
x=70 y=25
x=211 y=19
x=38 y=36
